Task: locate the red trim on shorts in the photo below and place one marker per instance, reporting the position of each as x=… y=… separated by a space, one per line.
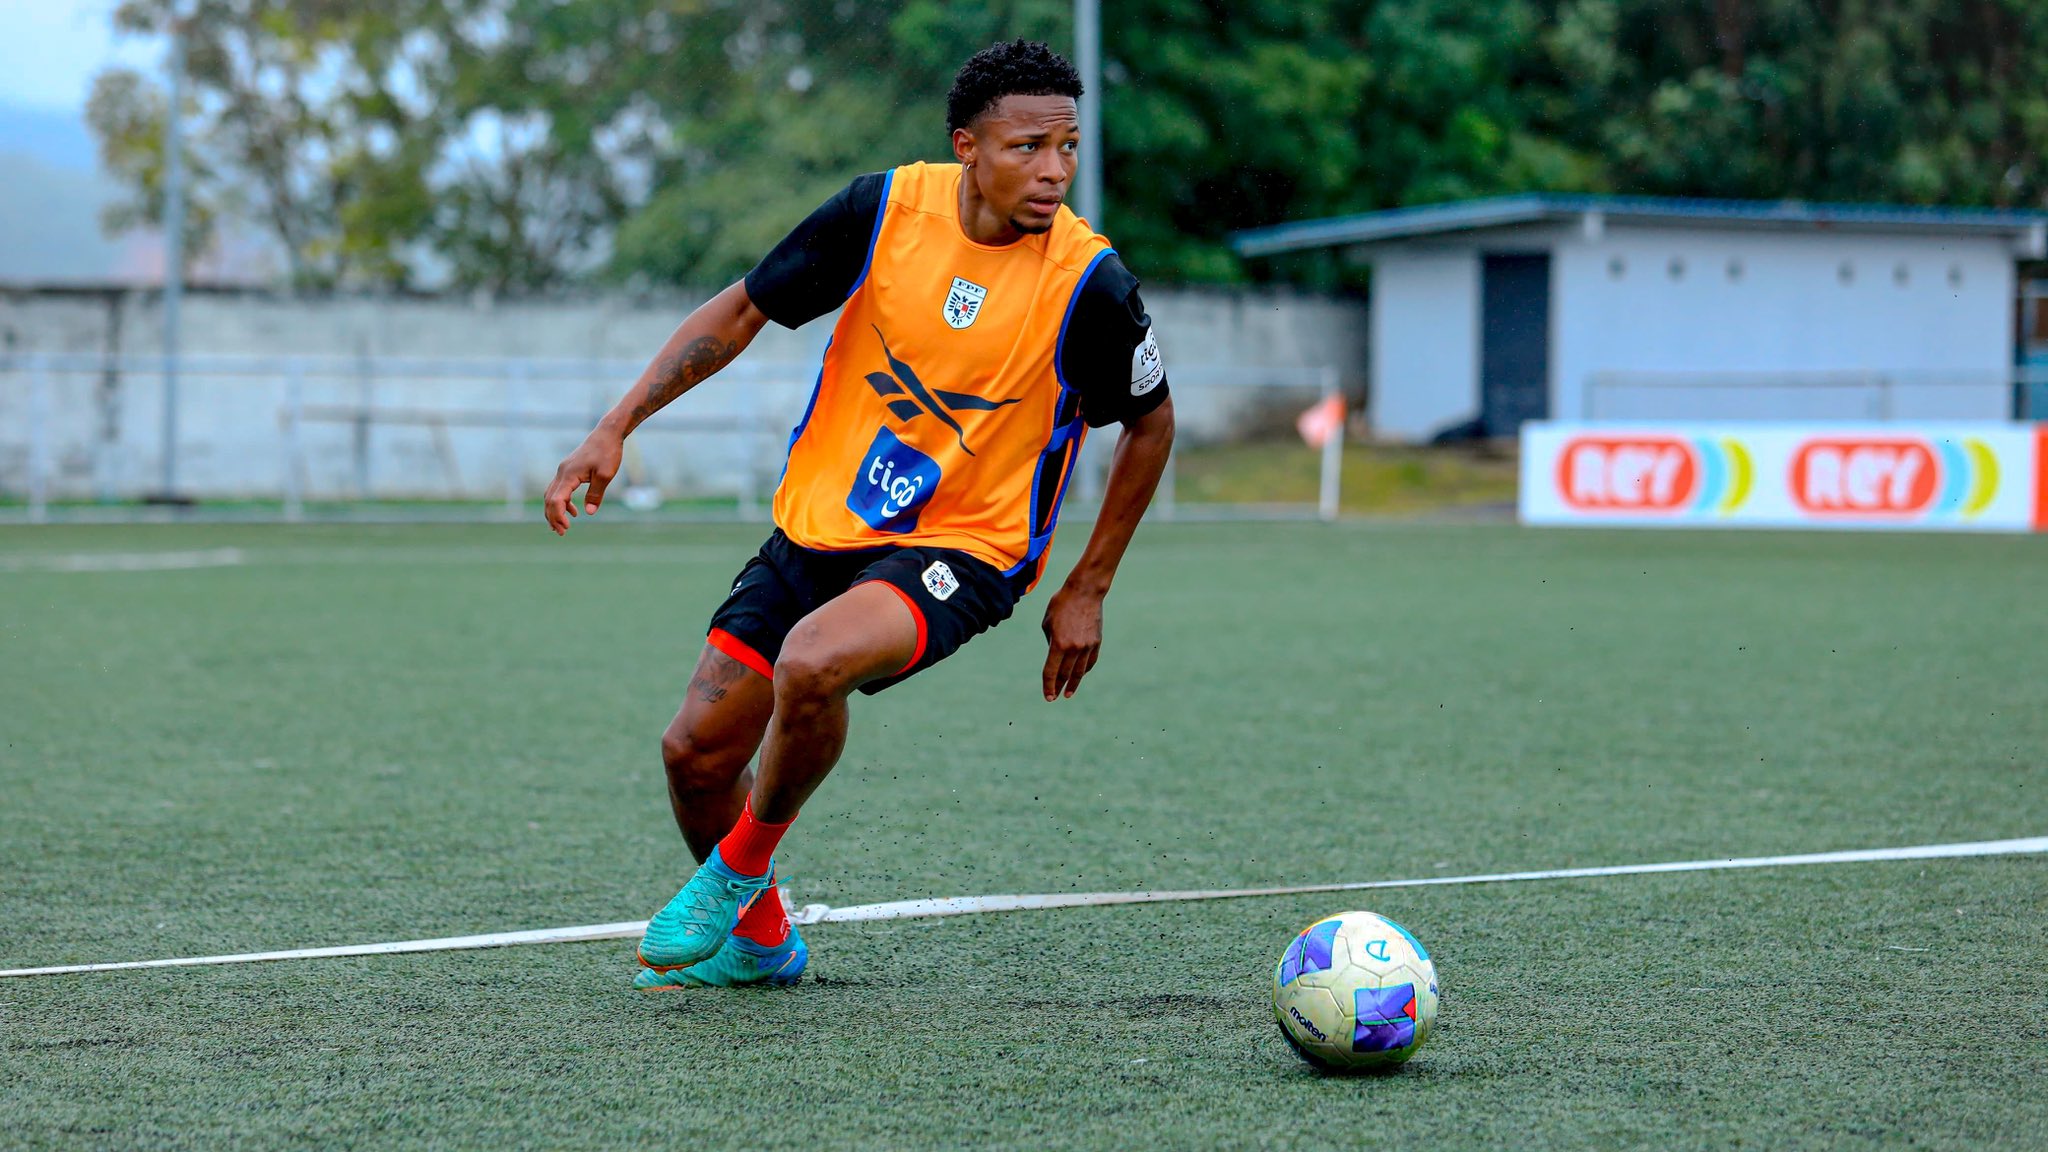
x=741 y=651
x=916 y=613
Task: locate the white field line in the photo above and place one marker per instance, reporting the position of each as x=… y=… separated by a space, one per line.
x=394 y=556
x=968 y=905
x=124 y=561
x=543 y=552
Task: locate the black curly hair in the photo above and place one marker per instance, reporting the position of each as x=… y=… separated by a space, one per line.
x=1015 y=68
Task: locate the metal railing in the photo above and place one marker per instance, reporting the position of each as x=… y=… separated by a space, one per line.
x=1868 y=395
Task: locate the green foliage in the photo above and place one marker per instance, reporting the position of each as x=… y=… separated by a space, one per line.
x=527 y=143
x=129 y=117
x=293 y=121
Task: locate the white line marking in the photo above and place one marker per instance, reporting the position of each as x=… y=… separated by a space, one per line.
x=545 y=552
x=396 y=555
x=124 y=561
x=968 y=905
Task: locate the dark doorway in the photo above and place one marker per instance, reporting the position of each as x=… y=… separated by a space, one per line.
x=1514 y=342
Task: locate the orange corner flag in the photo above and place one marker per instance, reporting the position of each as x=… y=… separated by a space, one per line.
x=1321 y=422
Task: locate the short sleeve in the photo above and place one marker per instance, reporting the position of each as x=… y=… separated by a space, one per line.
x=1109 y=353
x=818 y=265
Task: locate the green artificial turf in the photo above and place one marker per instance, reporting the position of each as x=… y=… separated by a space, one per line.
x=358 y=734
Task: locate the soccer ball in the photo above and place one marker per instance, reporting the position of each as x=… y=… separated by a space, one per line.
x=1355 y=990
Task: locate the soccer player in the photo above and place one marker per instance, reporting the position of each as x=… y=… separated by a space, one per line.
x=983 y=328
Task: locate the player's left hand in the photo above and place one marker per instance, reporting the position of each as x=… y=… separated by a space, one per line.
x=1073 y=640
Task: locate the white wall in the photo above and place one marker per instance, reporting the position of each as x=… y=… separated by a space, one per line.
x=1425 y=340
x=1786 y=310
x=103 y=430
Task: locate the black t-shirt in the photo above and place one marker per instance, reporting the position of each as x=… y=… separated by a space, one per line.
x=1107 y=352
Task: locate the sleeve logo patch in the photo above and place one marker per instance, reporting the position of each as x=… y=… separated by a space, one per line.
x=940 y=581
x=1147 y=369
x=963 y=302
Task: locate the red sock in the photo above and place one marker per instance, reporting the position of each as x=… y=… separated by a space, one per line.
x=765 y=921
x=750 y=847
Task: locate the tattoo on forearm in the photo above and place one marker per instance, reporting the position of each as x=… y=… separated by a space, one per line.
x=676 y=373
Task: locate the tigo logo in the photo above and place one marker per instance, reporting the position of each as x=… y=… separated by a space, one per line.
x=1893 y=476
x=1653 y=474
x=892 y=485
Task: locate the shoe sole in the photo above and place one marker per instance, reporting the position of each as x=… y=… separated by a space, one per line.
x=724 y=987
x=772 y=981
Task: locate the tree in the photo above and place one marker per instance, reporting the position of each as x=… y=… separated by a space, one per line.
x=379 y=142
x=518 y=145
x=1913 y=101
x=129 y=117
x=296 y=119
x=805 y=95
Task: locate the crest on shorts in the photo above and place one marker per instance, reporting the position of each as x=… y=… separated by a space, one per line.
x=940 y=581
x=963 y=302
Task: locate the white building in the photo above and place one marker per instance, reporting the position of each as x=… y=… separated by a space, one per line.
x=1487 y=313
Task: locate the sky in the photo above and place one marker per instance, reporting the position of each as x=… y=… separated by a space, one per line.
x=50 y=50
x=51 y=187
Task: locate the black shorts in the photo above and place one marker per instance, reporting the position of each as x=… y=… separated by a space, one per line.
x=954 y=596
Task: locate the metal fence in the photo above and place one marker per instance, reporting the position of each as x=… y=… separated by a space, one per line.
x=86 y=437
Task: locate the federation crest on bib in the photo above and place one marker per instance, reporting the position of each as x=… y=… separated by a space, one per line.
x=963 y=302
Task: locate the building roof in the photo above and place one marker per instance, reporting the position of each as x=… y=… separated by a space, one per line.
x=1540 y=207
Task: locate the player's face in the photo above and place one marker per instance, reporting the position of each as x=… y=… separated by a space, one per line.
x=1023 y=152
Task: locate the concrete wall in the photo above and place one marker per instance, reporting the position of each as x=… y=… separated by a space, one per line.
x=1225 y=352
x=1425 y=340
x=1932 y=314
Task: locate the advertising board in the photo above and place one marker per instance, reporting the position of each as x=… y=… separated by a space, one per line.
x=1972 y=477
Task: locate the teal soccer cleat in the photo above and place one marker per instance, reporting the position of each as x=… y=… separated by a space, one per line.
x=739 y=962
x=697 y=923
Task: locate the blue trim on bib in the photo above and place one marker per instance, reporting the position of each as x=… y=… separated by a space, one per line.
x=810 y=406
x=1074 y=430
x=874 y=237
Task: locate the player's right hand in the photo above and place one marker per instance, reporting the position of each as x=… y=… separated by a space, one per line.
x=594 y=462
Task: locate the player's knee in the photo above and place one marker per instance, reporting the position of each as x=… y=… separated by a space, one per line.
x=697 y=764
x=807 y=675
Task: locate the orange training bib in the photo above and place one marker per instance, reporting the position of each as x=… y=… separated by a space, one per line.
x=939 y=417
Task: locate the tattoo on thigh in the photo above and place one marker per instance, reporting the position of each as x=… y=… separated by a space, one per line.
x=716 y=676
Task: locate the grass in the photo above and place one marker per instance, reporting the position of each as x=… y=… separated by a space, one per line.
x=368 y=733
x=1376 y=479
